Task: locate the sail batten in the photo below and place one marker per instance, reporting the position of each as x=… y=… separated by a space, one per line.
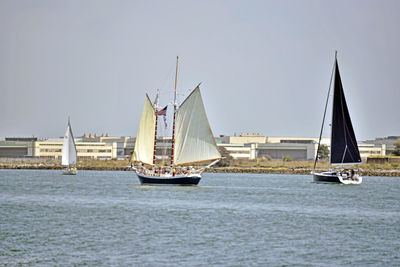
x=69 y=154
x=144 y=145
x=194 y=141
x=344 y=148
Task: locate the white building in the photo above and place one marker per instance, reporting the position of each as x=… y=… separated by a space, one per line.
x=251 y=146
x=52 y=148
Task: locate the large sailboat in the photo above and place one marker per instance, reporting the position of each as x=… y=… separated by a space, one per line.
x=192 y=142
x=344 y=150
x=69 y=157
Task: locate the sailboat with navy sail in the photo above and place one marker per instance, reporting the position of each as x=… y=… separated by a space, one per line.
x=69 y=155
x=192 y=142
x=344 y=149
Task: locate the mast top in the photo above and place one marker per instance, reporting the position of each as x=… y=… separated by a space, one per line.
x=176 y=73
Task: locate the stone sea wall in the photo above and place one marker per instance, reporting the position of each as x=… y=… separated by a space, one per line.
x=273 y=170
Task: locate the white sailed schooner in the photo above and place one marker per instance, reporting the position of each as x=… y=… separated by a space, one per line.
x=192 y=142
x=69 y=157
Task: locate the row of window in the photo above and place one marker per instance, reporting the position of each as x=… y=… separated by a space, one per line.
x=50 y=144
x=79 y=157
x=94 y=150
x=87 y=157
x=78 y=144
x=79 y=150
x=50 y=150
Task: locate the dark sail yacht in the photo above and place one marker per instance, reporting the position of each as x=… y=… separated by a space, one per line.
x=344 y=150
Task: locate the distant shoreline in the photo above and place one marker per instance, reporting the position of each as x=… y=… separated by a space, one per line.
x=299 y=171
x=255 y=170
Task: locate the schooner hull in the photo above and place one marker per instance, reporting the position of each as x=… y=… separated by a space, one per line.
x=173 y=180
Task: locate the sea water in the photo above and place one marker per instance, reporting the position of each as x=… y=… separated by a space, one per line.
x=108 y=218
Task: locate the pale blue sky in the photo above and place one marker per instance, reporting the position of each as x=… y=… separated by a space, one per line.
x=265 y=65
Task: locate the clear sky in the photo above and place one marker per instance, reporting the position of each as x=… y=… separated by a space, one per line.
x=264 y=65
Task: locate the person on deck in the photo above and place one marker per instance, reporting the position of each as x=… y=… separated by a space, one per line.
x=352 y=174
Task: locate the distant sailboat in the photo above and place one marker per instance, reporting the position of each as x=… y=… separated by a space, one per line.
x=192 y=142
x=344 y=148
x=69 y=157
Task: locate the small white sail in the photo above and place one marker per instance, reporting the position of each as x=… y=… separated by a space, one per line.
x=144 y=146
x=194 y=140
x=69 y=148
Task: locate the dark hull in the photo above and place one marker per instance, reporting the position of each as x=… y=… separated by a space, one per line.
x=326 y=177
x=69 y=172
x=178 y=180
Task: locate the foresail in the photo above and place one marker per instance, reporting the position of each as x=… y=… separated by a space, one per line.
x=69 y=154
x=194 y=140
x=65 y=148
x=344 y=147
x=144 y=146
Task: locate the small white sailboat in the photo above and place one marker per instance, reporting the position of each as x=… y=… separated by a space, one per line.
x=344 y=149
x=69 y=155
x=192 y=142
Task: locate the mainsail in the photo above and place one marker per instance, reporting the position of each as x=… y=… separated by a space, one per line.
x=68 y=149
x=194 y=140
x=144 y=146
x=344 y=147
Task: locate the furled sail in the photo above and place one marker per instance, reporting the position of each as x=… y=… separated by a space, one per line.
x=344 y=147
x=144 y=146
x=69 y=148
x=194 y=140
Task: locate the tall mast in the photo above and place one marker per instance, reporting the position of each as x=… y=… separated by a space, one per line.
x=175 y=106
x=330 y=152
x=323 y=118
x=69 y=128
x=155 y=130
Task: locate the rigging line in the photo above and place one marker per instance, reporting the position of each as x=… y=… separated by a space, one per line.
x=342 y=98
x=347 y=132
x=168 y=75
x=344 y=153
x=323 y=118
x=354 y=145
x=352 y=141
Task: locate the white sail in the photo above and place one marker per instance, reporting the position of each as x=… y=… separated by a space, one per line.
x=144 y=146
x=69 y=148
x=194 y=140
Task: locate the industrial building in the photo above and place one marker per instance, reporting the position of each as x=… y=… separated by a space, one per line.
x=388 y=142
x=244 y=146
x=252 y=146
x=52 y=148
x=125 y=144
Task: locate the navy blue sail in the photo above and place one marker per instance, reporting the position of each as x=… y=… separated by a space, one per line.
x=344 y=147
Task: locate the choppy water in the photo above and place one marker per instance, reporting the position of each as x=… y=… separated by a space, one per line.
x=107 y=218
